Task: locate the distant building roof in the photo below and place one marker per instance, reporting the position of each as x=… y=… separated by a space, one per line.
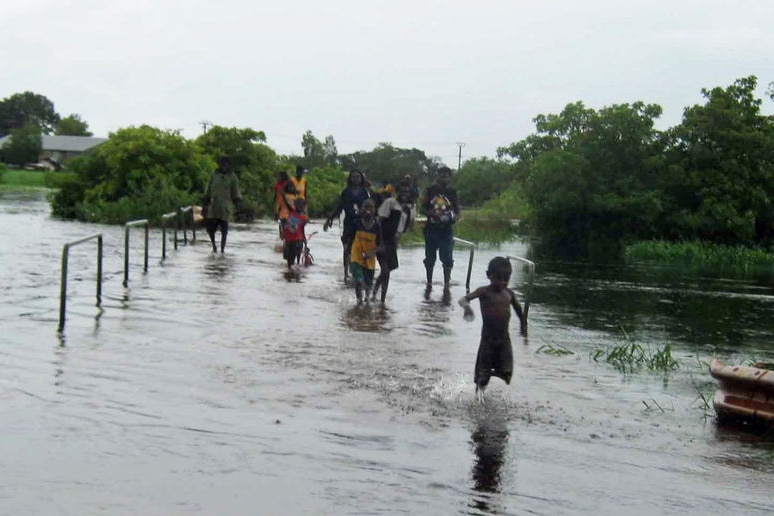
x=51 y=142
x=69 y=143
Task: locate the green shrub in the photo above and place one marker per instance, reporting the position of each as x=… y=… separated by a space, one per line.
x=700 y=256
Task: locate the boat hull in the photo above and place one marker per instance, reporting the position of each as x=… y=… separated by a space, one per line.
x=743 y=392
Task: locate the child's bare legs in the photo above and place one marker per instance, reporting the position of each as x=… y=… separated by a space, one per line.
x=346 y=240
x=359 y=286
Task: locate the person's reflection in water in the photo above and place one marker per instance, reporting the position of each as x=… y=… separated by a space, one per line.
x=366 y=318
x=292 y=276
x=489 y=440
x=217 y=266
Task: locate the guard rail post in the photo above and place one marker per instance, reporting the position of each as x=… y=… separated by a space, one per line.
x=470 y=261
x=127 y=226
x=164 y=219
x=531 y=267
x=186 y=213
x=63 y=283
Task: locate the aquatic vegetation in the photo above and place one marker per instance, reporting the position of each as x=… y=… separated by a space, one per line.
x=655 y=404
x=706 y=405
x=550 y=349
x=631 y=356
x=760 y=364
x=700 y=256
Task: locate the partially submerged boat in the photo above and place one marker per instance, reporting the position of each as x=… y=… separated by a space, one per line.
x=744 y=393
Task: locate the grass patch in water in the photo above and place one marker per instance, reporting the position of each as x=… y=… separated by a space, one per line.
x=700 y=256
x=631 y=356
x=550 y=349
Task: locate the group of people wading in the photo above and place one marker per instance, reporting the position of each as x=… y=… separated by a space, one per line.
x=373 y=224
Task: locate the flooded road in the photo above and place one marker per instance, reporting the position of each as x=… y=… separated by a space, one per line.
x=216 y=384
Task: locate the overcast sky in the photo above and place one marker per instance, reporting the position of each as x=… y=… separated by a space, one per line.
x=428 y=74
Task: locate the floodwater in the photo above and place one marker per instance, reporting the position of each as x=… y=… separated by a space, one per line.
x=217 y=384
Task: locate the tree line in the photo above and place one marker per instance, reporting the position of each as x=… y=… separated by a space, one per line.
x=589 y=182
x=586 y=181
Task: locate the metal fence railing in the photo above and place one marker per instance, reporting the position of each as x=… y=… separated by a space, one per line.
x=63 y=285
x=185 y=216
x=127 y=227
x=472 y=246
x=528 y=291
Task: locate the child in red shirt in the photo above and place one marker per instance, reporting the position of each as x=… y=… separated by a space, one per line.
x=293 y=233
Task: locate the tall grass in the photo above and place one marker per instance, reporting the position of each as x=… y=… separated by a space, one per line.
x=700 y=256
x=21 y=179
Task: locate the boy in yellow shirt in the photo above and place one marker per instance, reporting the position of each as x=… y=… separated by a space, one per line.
x=365 y=244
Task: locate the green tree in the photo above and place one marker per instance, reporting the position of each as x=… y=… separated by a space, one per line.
x=23 y=109
x=481 y=179
x=314 y=152
x=318 y=153
x=722 y=158
x=330 y=151
x=591 y=176
x=387 y=164
x=72 y=125
x=325 y=184
x=23 y=146
x=140 y=172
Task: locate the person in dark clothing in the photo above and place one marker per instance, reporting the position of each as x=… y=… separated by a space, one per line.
x=350 y=200
x=221 y=198
x=441 y=206
x=394 y=214
x=495 y=355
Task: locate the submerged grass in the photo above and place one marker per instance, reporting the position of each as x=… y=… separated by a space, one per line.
x=631 y=356
x=550 y=349
x=701 y=256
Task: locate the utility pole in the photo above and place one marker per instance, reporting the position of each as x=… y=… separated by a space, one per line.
x=205 y=124
x=459 y=157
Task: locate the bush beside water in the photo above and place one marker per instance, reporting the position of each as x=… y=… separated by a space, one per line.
x=701 y=257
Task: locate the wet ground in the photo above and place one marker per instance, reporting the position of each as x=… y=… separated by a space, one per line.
x=218 y=384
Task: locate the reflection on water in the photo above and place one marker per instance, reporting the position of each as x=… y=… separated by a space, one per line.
x=218 y=265
x=292 y=275
x=489 y=440
x=366 y=317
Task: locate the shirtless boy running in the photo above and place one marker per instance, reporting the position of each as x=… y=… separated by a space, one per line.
x=495 y=355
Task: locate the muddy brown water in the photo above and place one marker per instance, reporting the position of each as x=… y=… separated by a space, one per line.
x=216 y=384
